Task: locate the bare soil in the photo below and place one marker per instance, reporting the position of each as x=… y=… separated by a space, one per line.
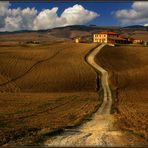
x=128 y=67
x=27 y=117
x=44 y=88
x=46 y=68
x=100 y=130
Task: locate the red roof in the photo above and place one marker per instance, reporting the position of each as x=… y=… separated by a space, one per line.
x=107 y=32
x=118 y=38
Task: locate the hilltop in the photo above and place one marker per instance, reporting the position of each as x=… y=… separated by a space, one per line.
x=70 y=32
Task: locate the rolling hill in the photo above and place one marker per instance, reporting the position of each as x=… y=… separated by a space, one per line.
x=69 y=32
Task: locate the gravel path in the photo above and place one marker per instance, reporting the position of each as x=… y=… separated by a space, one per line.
x=100 y=130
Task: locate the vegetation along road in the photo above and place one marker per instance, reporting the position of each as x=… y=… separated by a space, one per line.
x=100 y=129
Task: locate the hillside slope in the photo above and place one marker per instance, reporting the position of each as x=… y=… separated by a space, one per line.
x=47 y=68
x=69 y=32
x=128 y=67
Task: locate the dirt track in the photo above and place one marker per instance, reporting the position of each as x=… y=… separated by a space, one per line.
x=107 y=102
x=93 y=132
x=100 y=130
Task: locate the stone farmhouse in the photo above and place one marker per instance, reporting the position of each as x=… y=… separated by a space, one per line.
x=108 y=37
x=113 y=38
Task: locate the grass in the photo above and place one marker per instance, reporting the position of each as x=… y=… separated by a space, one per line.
x=114 y=101
x=44 y=88
x=134 y=133
x=46 y=68
x=128 y=69
x=63 y=109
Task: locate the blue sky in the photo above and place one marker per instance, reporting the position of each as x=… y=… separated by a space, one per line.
x=46 y=15
x=103 y=8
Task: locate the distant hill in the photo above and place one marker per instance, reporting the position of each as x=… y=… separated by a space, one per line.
x=68 y=33
x=134 y=26
x=72 y=27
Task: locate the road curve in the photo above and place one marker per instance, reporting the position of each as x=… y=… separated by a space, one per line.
x=107 y=102
x=100 y=130
x=93 y=132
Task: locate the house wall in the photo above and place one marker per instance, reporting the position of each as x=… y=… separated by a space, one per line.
x=103 y=38
x=100 y=38
x=137 y=41
x=114 y=38
x=77 y=40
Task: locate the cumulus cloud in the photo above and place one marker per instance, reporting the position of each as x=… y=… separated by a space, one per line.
x=48 y=18
x=146 y=24
x=138 y=14
x=16 y=19
x=31 y=19
x=78 y=14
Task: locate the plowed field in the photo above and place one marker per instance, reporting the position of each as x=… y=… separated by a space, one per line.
x=44 y=88
x=46 y=68
x=27 y=117
x=128 y=67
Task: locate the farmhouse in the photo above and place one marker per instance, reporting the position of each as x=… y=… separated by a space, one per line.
x=137 y=41
x=108 y=37
x=77 y=40
x=84 y=39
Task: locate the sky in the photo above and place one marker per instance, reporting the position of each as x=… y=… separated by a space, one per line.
x=45 y=15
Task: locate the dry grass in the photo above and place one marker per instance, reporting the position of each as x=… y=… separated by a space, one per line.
x=46 y=68
x=27 y=114
x=52 y=87
x=143 y=35
x=128 y=67
x=133 y=109
x=31 y=36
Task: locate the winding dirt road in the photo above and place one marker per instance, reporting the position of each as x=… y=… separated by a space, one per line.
x=107 y=100
x=100 y=130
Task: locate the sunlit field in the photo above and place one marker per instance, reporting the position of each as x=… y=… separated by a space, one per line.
x=128 y=67
x=44 y=88
x=46 y=68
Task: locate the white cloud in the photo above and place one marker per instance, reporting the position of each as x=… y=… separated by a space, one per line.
x=48 y=18
x=12 y=23
x=146 y=24
x=138 y=14
x=78 y=15
x=31 y=19
x=16 y=19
